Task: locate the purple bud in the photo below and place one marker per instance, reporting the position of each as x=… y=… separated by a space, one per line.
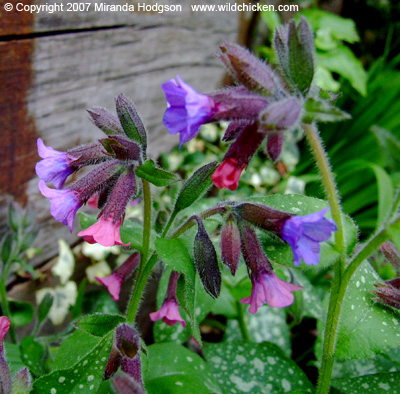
x=128 y=344
x=246 y=145
x=250 y=71
x=124 y=384
x=206 y=260
x=281 y=115
x=105 y=121
x=304 y=234
x=274 y=145
x=389 y=293
x=122 y=192
x=234 y=129
x=262 y=216
x=113 y=363
x=5 y=324
x=187 y=109
x=238 y=103
x=5 y=376
x=230 y=244
x=391 y=253
x=253 y=255
x=121 y=148
x=86 y=155
x=22 y=381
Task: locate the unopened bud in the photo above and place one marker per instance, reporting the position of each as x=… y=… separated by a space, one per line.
x=206 y=261
x=389 y=292
x=391 y=253
x=22 y=382
x=121 y=148
x=105 y=121
x=124 y=384
x=230 y=244
x=274 y=145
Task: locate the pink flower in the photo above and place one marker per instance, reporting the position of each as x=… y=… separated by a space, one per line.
x=105 y=232
x=227 y=174
x=267 y=287
x=169 y=313
x=114 y=281
x=93 y=201
x=4 y=327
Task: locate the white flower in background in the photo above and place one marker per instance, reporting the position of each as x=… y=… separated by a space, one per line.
x=100 y=269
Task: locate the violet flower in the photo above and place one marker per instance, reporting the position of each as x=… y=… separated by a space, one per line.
x=64 y=203
x=55 y=166
x=4 y=327
x=304 y=234
x=267 y=287
x=169 y=311
x=227 y=174
x=106 y=232
x=187 y=109
x=114 y=281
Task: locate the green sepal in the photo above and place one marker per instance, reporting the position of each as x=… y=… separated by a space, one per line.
x=156 y=176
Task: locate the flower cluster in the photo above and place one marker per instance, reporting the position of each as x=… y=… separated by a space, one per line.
x=110 y=186
x=238 y=237
x=265 y=104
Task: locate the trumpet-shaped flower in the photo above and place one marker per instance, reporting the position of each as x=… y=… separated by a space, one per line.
x=227 y=174
x=267 y=287
x=304 y=234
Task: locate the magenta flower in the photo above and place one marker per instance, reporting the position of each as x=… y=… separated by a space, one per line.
x=227 y=174
x=169 y=311
x=105 y=232
x=267 y=287
x=304 y=234
x=55 y=166
x=64 y=203
x=114 y=281
x=4 y=327
x=187 y=109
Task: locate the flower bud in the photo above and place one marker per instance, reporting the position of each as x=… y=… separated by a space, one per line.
x=230 y=244
x=106 y=121
x=22 y=382
x=206 y=261
x=391 y=253
x=389 y=292
x=124 y=384
x=234 y=129
x=274 y=145
x=121 y=148
x=250 y=71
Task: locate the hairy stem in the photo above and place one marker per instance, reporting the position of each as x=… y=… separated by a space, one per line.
x=242 y=322
x=6 y=306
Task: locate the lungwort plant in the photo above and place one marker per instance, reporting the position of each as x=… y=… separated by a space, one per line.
x=282 y=240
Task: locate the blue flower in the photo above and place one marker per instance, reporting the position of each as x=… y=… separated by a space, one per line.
x=187 y=109
x=304 y=234
x=55 y=166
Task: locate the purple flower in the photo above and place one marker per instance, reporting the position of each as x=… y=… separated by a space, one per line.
x=4 y=327
x=64 y=203
x=267 y=287
x=304 y=233
x=187 y=109
x=55 y=166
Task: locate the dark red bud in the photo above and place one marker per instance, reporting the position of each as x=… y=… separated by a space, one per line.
x=389 y=293
x=391 y=253
x=234 y=129
x=87 y=155
x=121 y=148
x=230 y=245
x=124 y=384
x=113 y=363
x=274 y=145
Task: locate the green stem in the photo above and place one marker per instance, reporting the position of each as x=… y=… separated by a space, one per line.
x=170 y=221
x=242 y=322
x=138 y=289
x=6 y=307
x=328 y=182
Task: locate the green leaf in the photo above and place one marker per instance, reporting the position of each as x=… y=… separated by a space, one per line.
x=74 y=348
x=44 y=307
x=366 y=328
x=13 y=357
x=99 y=301
x=254 y=368
x=343 y=61
x=175 y=254
x=83 y=377
x=7 y=248
x=77 y=308
x=268 y=324
x=195 y=187
x=174 y=369
x=370 y=384
x=98 y=324
x=317 y=110
x=156 y=176
x=32 y=353
x=21 y=313
x=340 y=28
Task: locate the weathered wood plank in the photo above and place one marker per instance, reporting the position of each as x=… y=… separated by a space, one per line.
x=47 y=83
